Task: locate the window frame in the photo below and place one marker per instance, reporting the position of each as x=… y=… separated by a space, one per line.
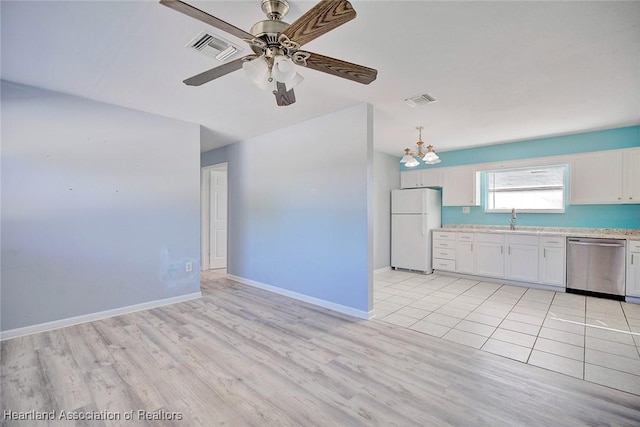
x=564 y=188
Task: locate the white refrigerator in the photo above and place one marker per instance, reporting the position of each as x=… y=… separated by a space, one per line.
x=414 y=214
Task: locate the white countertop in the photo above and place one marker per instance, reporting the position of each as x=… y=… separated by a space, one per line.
x=603 y=233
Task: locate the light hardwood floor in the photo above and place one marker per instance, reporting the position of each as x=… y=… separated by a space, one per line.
x=241 y=356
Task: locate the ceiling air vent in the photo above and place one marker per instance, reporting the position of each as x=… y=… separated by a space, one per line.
x=213 y=46
x=418 y=100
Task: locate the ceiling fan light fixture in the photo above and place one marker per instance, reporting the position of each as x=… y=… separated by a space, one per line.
x=285 y=71
x=271 y=38
x=283 y=68
x=258 y=71
x=294 y=81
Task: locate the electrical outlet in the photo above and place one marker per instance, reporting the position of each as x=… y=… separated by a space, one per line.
x=188 y=266
x=466 y=209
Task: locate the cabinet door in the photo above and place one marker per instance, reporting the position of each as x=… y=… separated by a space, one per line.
x=522 y=263
x=633 y=272
x=431 y=178
x=410 y=179
x=552 y=265
x=596 y=178
x=460 y=186
x=632 y=176
x=490 y=259
x=464 y=258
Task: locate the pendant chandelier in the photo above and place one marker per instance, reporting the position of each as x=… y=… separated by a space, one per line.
x=430 y=157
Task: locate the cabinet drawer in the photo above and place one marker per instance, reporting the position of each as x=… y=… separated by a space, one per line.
x=634 y=245
x=490 y=237
x=518 y=239
x=444 y=264
x=447 y=244
x=444 y=253
x=465 y=237
x=444 y=235
x=555 y=241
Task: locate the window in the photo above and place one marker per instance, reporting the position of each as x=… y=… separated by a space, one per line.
x=536 y=189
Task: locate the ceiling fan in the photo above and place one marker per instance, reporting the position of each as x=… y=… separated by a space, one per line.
x=276 y=46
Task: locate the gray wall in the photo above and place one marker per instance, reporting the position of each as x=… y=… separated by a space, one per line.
x=386 y=177
x=100 y=207
x=300 y=211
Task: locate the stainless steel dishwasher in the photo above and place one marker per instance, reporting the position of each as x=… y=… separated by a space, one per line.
x=596 y=266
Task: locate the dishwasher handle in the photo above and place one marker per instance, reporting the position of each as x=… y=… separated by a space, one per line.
x=609 y=245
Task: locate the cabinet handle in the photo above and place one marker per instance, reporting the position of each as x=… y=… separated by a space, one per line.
x=631 y=259
x=509 y=249
x=501 y=249
x=544 y=253
x=472 y=248
x=619 y=198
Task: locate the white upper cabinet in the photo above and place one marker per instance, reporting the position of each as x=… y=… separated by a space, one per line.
x=631 y=167
x=460 y=186
x=431 y=177
x=420 y=178
x=605 y=177
x=411 y=179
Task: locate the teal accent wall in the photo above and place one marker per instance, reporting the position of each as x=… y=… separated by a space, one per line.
x=596 y=216
x=610 y=139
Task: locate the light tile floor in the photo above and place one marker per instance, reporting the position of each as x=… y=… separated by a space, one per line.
x=594 y=339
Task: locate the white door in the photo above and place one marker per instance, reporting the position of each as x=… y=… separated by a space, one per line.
x=218 y=219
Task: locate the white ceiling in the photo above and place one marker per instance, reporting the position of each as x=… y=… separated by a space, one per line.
x=501 y=71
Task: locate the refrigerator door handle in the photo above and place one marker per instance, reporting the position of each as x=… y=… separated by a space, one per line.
x=422 y=214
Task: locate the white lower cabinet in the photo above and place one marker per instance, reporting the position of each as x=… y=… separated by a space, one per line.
x=490 y=254
x=552 y=255
x=633 y=268
x=517 y=257
x=521 y=262
x=464 y=253
x=444 y=251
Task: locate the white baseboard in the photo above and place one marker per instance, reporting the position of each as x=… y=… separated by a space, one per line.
x=62 y=323
x=361 y=314
x=634 y=300
x=382 y=270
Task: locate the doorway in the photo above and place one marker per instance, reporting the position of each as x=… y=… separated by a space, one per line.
x=214 y=187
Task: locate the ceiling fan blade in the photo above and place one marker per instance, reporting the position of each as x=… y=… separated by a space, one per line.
x=320 y=19
x=216 y=72
x=344 y=69
x=200 y=15
x=283 y=96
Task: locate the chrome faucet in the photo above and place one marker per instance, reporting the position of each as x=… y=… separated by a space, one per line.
x=512 y=221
